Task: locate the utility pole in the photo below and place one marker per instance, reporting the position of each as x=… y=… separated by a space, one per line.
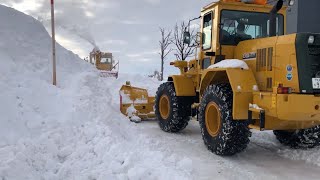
x=54 y=74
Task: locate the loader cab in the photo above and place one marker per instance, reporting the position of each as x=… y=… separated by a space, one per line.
x=239 y=26
x=102 y=60
x=221 y=23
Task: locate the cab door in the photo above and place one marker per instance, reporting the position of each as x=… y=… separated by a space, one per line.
x=207 y=51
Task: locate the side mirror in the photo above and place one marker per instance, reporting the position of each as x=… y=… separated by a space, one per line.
x=186 y=37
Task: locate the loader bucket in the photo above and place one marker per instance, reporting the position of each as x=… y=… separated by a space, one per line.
x=135 y=101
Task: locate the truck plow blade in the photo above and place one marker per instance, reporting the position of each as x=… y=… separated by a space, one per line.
x=135 y=102
x=108 y=74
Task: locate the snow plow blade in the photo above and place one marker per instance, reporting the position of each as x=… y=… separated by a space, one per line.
x=108 y=74
x=136 y=103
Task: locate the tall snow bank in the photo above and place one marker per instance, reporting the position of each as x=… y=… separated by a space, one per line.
x=28 y=44
x=73 y=131
x=28 y=101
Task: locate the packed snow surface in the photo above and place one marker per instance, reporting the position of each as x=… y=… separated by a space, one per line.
x=230 y=63
x=76 y=131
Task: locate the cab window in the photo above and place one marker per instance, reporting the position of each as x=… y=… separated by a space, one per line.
x=207 y=31
x=238 y=26
x=105 y=60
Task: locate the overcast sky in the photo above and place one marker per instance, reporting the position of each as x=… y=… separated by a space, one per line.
x=128 y=28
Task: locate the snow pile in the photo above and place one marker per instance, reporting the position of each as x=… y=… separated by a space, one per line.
x=230 y=63
x=28 y=100
x=132 y=114
x=131 y=111
x=127 y=100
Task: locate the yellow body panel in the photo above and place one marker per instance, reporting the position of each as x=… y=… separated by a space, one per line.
x=104 y=67
x=183 y=85
x=297 y=107
x=286 y=55
x=243 y=85
x=288 y=111
x=283 y=54
x=292 y=111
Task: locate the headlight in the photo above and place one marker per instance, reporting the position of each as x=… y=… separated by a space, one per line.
x=291 y=2
x=311 y=40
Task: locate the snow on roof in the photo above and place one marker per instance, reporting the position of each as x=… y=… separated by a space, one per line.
x=230 y=63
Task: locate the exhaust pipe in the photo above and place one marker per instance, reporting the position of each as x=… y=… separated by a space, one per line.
x=273 y=15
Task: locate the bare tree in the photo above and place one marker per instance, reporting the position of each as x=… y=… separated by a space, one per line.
x=156 y=74
x=183 y=51
x=164 y=44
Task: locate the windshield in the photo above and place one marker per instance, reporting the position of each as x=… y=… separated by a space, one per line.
x=105 y=61
x=239 y=26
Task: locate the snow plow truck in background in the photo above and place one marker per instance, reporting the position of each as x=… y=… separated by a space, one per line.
x=248 y=75
x=104 y=62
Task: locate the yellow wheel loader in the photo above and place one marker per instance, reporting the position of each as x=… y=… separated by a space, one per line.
x=248 y=75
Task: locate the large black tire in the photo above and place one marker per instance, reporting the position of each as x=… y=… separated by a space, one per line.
x=231 y=136
x=179 y=112
x=304 y=138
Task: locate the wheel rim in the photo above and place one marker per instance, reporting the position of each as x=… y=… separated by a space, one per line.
x=212 y=119
x=164 y=106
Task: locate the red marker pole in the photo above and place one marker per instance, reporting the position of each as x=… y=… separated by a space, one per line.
x=54 y=74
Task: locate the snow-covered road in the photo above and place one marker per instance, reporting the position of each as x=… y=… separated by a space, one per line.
x=260 y=160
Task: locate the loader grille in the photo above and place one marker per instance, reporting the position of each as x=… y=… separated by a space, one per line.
x=314 y=50
x=264 y=59
x=269 y=63
x=269 y=83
